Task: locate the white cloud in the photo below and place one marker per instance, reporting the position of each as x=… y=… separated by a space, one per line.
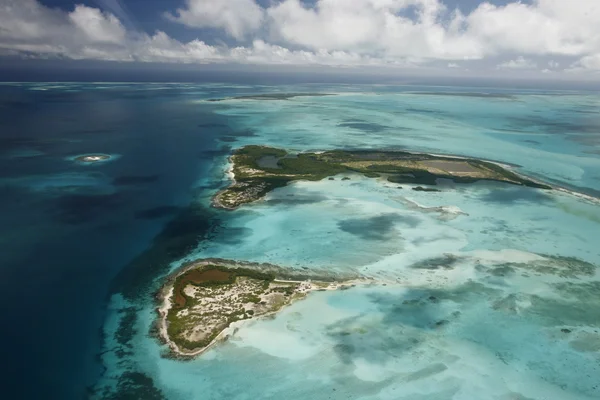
x=237 y=17
x=519 y=63
x=264 y=53
x=27 y=26
x=97 y=26
x=544 y=27
x=331 y=24
x=30 y=29
x=162 y=48
x=87 y=33
x=372 y=27
x=330 y=32
x=28 y=21
x=376 y=27
x=587 y=63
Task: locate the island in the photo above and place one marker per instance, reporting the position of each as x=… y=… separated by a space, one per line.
x=257 y=170
x=207 y=299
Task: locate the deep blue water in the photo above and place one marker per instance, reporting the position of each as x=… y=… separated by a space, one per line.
x=61 y=245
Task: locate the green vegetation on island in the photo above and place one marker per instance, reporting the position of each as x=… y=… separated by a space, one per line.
x=259 y=169
x=208 y=296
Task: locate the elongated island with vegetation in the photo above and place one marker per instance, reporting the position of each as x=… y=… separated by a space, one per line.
x=205 y=300
x=259 y=169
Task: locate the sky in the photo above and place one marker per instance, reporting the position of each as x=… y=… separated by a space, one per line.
x=549 y=39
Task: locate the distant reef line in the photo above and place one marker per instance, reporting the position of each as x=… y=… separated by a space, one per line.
x=273 y=96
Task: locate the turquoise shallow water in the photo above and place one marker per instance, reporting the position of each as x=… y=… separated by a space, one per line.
x=550 y=136
x=484 y=291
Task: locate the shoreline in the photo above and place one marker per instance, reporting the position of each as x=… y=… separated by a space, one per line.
x=166 y=292
x=215 y=202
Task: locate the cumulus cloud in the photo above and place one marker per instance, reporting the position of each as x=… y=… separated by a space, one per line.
x=27 y=26
x=587 y=63
x=519 y=63
x=28 y=22
x=264 y=53
x=330 y=32
x=373 y=27
x=97 y=26
x=544 y=27
x=237 y=17
x=162 y=48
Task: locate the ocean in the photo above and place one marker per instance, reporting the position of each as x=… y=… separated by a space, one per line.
x=483 y=290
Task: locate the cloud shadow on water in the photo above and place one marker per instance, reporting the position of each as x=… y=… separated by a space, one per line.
x=364 y=126
x=135 y=179
x=79 y=208
x=403 y=324
x=380 y=227
x=511 y=195
x=297 y=199
x=157 y=212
